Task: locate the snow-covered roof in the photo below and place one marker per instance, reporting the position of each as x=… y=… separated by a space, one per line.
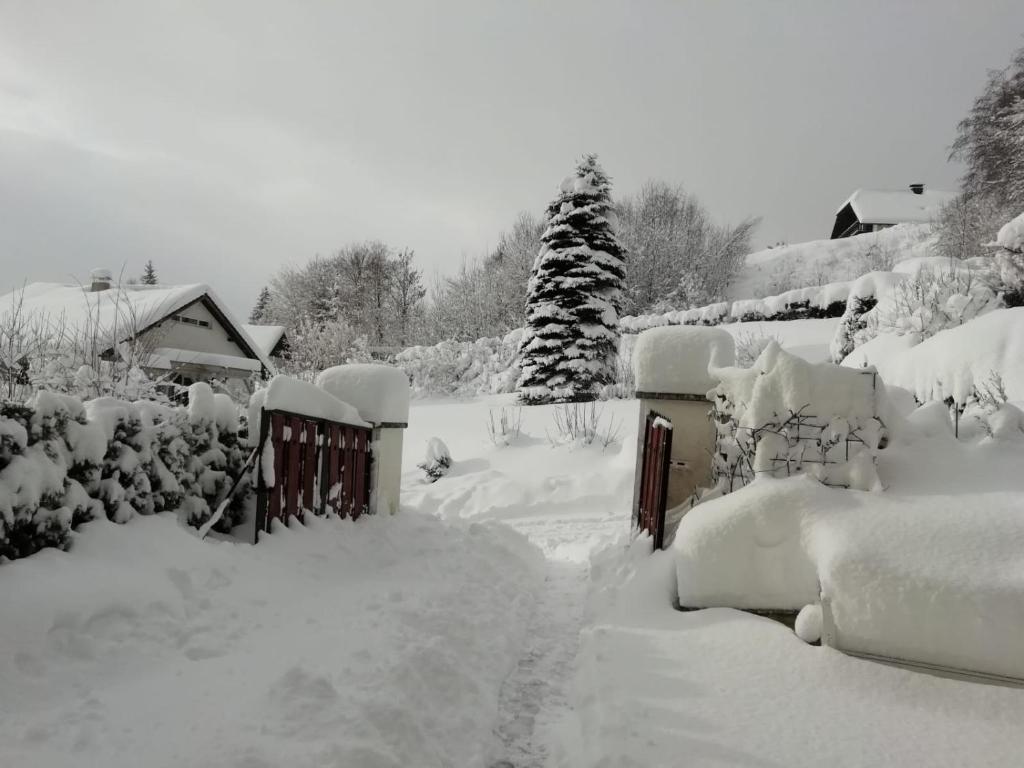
x=266 y=336
x=115 y=314
x=896 y=206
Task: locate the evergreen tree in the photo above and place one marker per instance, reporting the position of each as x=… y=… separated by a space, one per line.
x=149 y=274
x=259 y=312
x=568 y=350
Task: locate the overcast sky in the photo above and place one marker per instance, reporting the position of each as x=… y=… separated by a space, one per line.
x=225 y=139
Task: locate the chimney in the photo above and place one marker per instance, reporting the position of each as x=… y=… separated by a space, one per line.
x=101 y=280
x=917 y=189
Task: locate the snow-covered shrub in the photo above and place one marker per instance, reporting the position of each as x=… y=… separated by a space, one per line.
x=933 y=298
x=208 y=463
x=852 y=323
x=124 y=484
x=32 y=511
x=462 y=368
x=438 y=460
x=59 y=422
x=1009 y=261
x=785 y=416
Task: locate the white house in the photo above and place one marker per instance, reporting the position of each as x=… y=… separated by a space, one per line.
x=186 y=331
x=869 y=210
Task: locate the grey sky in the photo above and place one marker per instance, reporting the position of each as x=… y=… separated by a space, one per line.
x=224 y=139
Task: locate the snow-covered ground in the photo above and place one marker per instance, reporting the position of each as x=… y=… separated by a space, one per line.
x=501 y=619
x=378 y=643
x=817 y=262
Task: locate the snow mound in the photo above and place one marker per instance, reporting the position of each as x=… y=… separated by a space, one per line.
x=676 y=359
x=953 y=362
x=1011 y=235
x=379 y=392
x=911 y=573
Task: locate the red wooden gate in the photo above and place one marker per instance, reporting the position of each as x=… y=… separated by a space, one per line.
x=649 y=514
x=310 y=465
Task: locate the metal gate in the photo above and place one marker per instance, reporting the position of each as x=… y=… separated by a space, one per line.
x=649 y=514
x=310 y=465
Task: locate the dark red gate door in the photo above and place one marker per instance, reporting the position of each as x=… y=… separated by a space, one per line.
x=657 y=455
x=308 y=465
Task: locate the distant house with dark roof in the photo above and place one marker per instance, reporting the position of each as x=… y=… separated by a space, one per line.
x=869 y=210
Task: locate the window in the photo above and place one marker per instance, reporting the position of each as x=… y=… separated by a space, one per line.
x=191 y=321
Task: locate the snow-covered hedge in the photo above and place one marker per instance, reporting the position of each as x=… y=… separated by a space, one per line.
x=462 y=368
x=64 y=462
x=812 y=303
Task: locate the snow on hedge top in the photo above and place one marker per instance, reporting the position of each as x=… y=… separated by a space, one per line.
x=379 y=392
x=676 y=359
x=1011 y=235
x=954 y=362
x=896 y=206
x=780 y=383
x=305 y=399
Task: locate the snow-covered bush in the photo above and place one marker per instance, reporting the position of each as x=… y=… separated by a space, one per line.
x=786 y=416
x=1009 y=260
x=462 y=368
x=934 y=297
x=852 y=323
x=124 y=483
x=438 y=460
x=64 y=463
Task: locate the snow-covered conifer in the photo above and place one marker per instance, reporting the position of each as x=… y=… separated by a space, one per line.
x=568 y=351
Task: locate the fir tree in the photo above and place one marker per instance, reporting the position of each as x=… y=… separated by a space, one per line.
x=259 y=312
x=568 y=351
x=149 y=274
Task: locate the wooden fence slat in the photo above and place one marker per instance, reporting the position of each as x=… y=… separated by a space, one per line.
x=276 y=437
x=358 y=469
x=309 y=466
x=333 y=474
x=347 y=464
x=293 y=480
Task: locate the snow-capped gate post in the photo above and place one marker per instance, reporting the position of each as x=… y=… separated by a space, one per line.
x=381 y=395
x=671 y=366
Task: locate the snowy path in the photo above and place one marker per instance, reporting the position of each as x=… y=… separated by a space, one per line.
x=535 y=697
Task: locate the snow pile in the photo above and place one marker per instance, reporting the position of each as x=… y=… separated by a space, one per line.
x=785 y=415
x=954 y=363
x=775 y=270
x=1011 y=235
x=660 y=687
x=379 y=392
x=914 y=573
x=462 y=368
x=676 y=360
x=377 y=643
